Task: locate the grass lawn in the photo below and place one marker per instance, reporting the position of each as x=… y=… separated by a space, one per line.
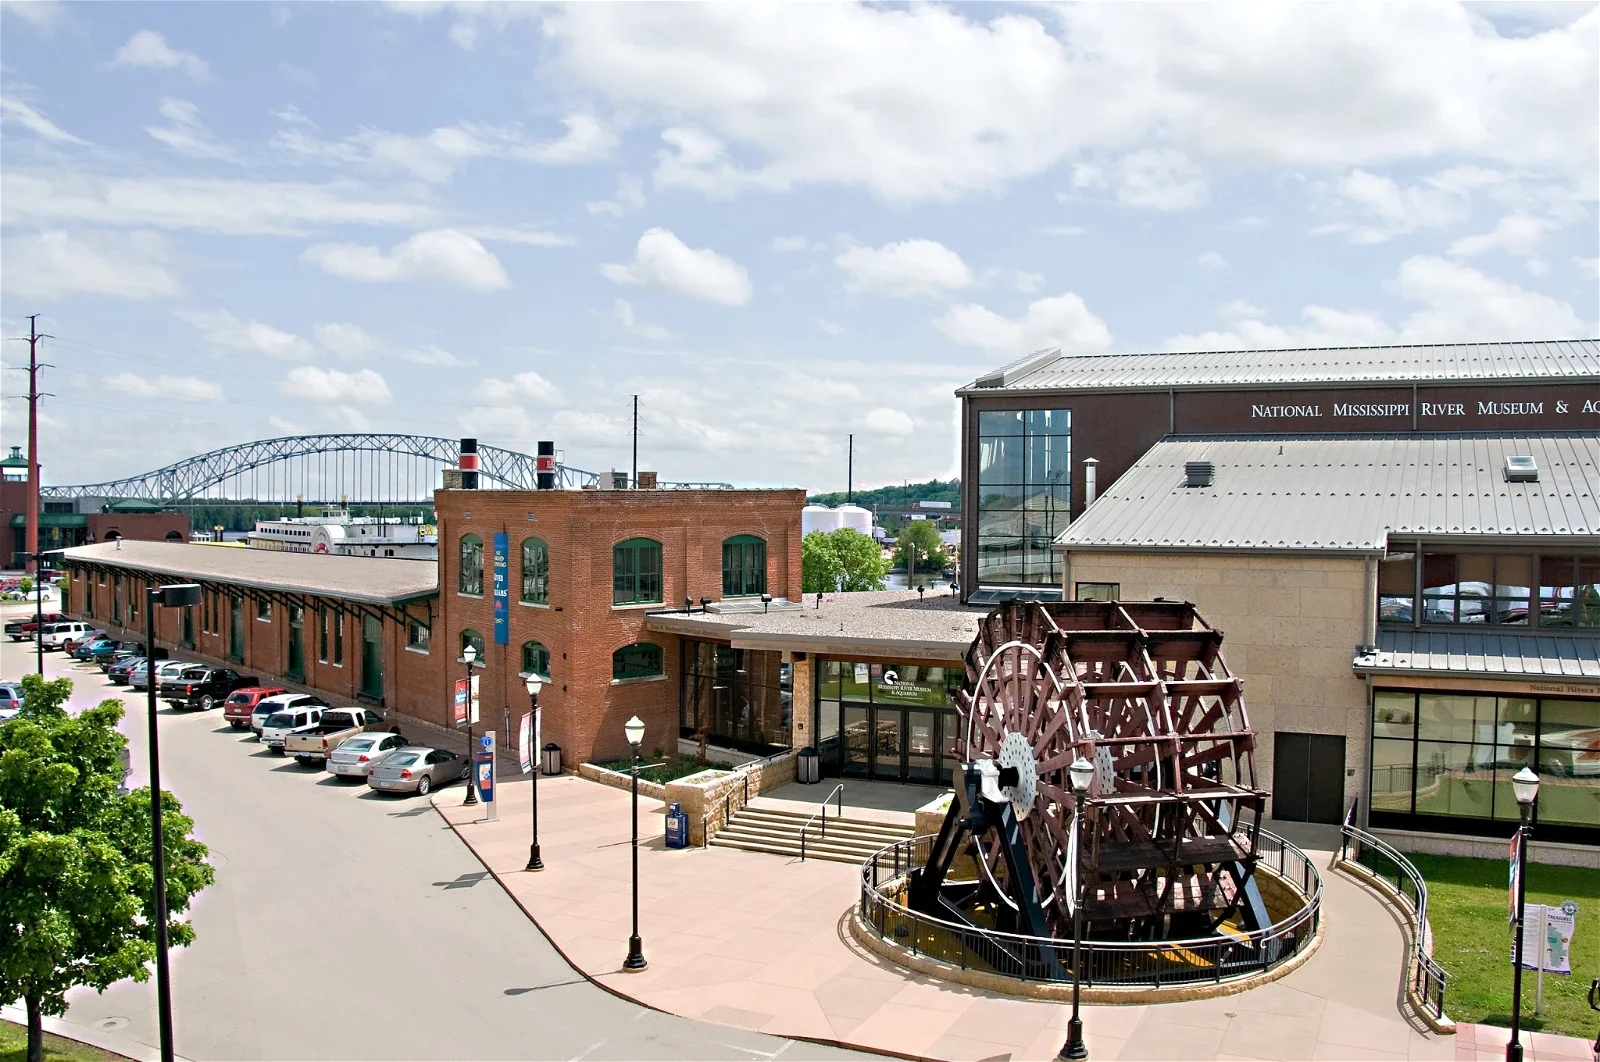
x=1467 y=907
x=14 y=1047
x=671 y=771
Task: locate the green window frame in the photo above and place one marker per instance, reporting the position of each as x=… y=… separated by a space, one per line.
x=418 y=636
x=535 y=659
x=338 y=637
x=295 y=667
x=636 y=572
x=322 y=633
x=639 y=660
x=744 y=566
x=371 y=657
x=473 y=638
x=535 y=572
x=469 y=580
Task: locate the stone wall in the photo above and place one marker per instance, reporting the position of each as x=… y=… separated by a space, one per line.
x=709 y=801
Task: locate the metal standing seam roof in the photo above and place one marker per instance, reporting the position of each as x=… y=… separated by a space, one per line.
x=1051 y=370
x=1496 y=655
x=1344 y=492
x=376 y=580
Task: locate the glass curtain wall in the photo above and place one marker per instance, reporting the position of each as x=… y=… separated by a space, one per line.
x=1024 y=494
x=1489 y=589
x=742 y=698
x=891 y=721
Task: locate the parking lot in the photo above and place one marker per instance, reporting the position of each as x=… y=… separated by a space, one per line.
x=350 y=924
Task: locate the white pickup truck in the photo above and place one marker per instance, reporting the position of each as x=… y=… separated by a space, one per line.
x=337 y=725
x=279 y=725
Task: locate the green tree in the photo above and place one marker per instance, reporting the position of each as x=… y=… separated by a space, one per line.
x=77 y=903
x=920 y=542
x=26 y=586
x=842 y=560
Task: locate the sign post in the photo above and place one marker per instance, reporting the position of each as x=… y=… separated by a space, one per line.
x=483 y=774
x=1547 y=943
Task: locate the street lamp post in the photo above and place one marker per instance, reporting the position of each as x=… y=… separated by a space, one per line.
x=1525 y=784
x=534 y=681
x=38 y=611
x=1081 y=773
x=635 y=961
x=216 y=532
x=469 y=653
x=175 y=596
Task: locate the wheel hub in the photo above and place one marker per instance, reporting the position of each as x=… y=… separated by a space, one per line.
x=1016 y=752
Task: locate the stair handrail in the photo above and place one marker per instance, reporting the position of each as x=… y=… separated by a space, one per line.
x=823 y=811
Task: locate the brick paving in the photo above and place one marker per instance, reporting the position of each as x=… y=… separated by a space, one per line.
x=760 y=942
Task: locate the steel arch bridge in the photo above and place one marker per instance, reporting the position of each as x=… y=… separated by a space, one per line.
x=359 y=467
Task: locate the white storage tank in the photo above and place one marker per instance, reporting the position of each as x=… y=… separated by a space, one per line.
x=854 y=516
x=818 y=518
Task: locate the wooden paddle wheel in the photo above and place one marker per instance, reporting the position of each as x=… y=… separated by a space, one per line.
x=1140 y=690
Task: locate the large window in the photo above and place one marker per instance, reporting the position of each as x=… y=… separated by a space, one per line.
x=470 y=580
x=418 y=635
x=891 y=721
x=1444 y=761
x=744 y=566
x=535 y=572
x=742 y=698
x=1024 y=494
x=636 y=572
x=1489 y=589
x=640 y=660
x=535 y=659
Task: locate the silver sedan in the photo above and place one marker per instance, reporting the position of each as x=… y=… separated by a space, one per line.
x=358 y=755
x=417 y=770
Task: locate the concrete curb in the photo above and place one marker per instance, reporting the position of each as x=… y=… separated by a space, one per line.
x=105 y=1041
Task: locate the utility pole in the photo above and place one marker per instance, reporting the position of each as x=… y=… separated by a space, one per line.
x=635 y=442
x=850 y=472
x=31 y=543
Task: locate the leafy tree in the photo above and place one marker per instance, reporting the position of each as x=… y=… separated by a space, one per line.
x=897 y=496
x=842 y=560
x=77 y=904
x=26 y=586
x=920 y=541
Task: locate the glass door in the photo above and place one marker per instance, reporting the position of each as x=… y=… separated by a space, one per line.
x=921 y=745
x=888 y=743
x=857 y=741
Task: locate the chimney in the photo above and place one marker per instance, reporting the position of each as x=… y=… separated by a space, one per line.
x=469 y=464
x=1198 y=473
x=647 y=481
x=1089 y=495
x=545 y=465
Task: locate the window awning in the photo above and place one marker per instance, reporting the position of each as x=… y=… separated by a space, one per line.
x=1483 y=654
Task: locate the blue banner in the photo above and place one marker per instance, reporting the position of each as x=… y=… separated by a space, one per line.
x=502 y=590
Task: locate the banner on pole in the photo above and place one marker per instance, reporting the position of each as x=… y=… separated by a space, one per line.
x=475 y=718
x=1511 y=902
x=459 y=703
x=525 y=743
x=502 y=588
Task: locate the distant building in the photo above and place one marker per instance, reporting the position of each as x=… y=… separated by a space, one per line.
x=337 y=532
x=65 y=522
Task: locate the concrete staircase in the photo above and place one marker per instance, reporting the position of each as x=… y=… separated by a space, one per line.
x=756 y=829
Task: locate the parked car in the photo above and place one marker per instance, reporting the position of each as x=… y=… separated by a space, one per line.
x=57 y=635
x=121 y=671
x=106 y=652
x=336 y=725
x=204 y=687
x=355 y=757
x=279 y=702
x=10 y=700
x=84 y=650
x=417 y=769
x=242 y=702
x=19 y=629
x=280 y=725
x=70 y=646
x=166 y=670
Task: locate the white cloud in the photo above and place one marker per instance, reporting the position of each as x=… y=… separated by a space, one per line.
x=443 y=255
x=54 y=264
x=789 y=243
x=1538 y=267
x=623 y=311
x=347 y=340
x=1517 y=234
x=222 y=330
x=1241 y=308
x=1160 y=178
x=169 y=388
x=905 y=269
x=1058 y=321
x=587 y=139
x=1210 y=260
x=186 y=135
x=150 y=49
x=43 y=14
x=830 y=327
x=517 y=234
x=629 y=197
x=1062 y=230
x=1387 y=209
x=431 y=355
x=884 y=421
x=464 y=34
x=523 y=389
x=666 y=263
x=1027 y=283
x=1588 y=267
x=332 y=387
x=20 y=113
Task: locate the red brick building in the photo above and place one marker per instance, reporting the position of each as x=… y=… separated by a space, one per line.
x=65 y=522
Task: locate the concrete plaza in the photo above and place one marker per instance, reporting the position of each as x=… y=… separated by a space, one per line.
x=760 y=942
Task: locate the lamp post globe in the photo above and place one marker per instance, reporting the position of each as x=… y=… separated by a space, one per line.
x=469 y=655
x=1081 y=774
x=635 y=962
x=1525 y=786
x=533 y=683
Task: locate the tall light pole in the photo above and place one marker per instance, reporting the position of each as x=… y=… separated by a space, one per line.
x=635 y=961
x=38 y=609
x=469 y=653
x=1081 y=773
x=1525 y=784
x=534 y=682
x=179 y=595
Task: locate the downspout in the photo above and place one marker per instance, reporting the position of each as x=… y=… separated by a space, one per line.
x=1369 y=636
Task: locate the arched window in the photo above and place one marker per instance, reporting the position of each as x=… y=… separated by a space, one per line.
x=174 y=536
x=535 y=572
x=640 y=660
x=535 y=659
x=471 y=580
x=474 y=639
x=744 y=566
x=636 y=572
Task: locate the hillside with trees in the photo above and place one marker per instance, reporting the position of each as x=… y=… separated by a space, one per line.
x=897 y=497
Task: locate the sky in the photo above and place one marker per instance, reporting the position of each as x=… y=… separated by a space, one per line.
x=777 y=224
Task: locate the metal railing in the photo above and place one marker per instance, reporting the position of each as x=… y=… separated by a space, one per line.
x=837 y=790
x=743 y=770
x=1427 y=978
x=1229 y=955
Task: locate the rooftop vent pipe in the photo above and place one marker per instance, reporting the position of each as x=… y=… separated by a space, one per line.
x=544 y=465
x=1521 y=470
x=469 y=464
x=1089 y=495
x=1199 y=473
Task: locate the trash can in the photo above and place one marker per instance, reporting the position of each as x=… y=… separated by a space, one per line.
x=677 y=827
x=808 y=767
x=552 y=759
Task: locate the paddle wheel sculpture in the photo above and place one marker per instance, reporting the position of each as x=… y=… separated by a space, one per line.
x=1141 y=691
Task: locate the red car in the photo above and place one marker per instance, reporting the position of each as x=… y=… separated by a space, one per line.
x=24 y=628
x=71 y=644
x=240 y=703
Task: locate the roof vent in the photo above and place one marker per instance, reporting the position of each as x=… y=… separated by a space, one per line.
x=1521 y=470
x=1198 y=473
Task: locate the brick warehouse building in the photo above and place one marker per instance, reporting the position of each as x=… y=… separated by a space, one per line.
x=580 y=569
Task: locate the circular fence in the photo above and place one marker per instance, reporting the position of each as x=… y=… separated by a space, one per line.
x=1229 y=956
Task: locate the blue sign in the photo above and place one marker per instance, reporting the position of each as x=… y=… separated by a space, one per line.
x=502 y=590
x=483 y=770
